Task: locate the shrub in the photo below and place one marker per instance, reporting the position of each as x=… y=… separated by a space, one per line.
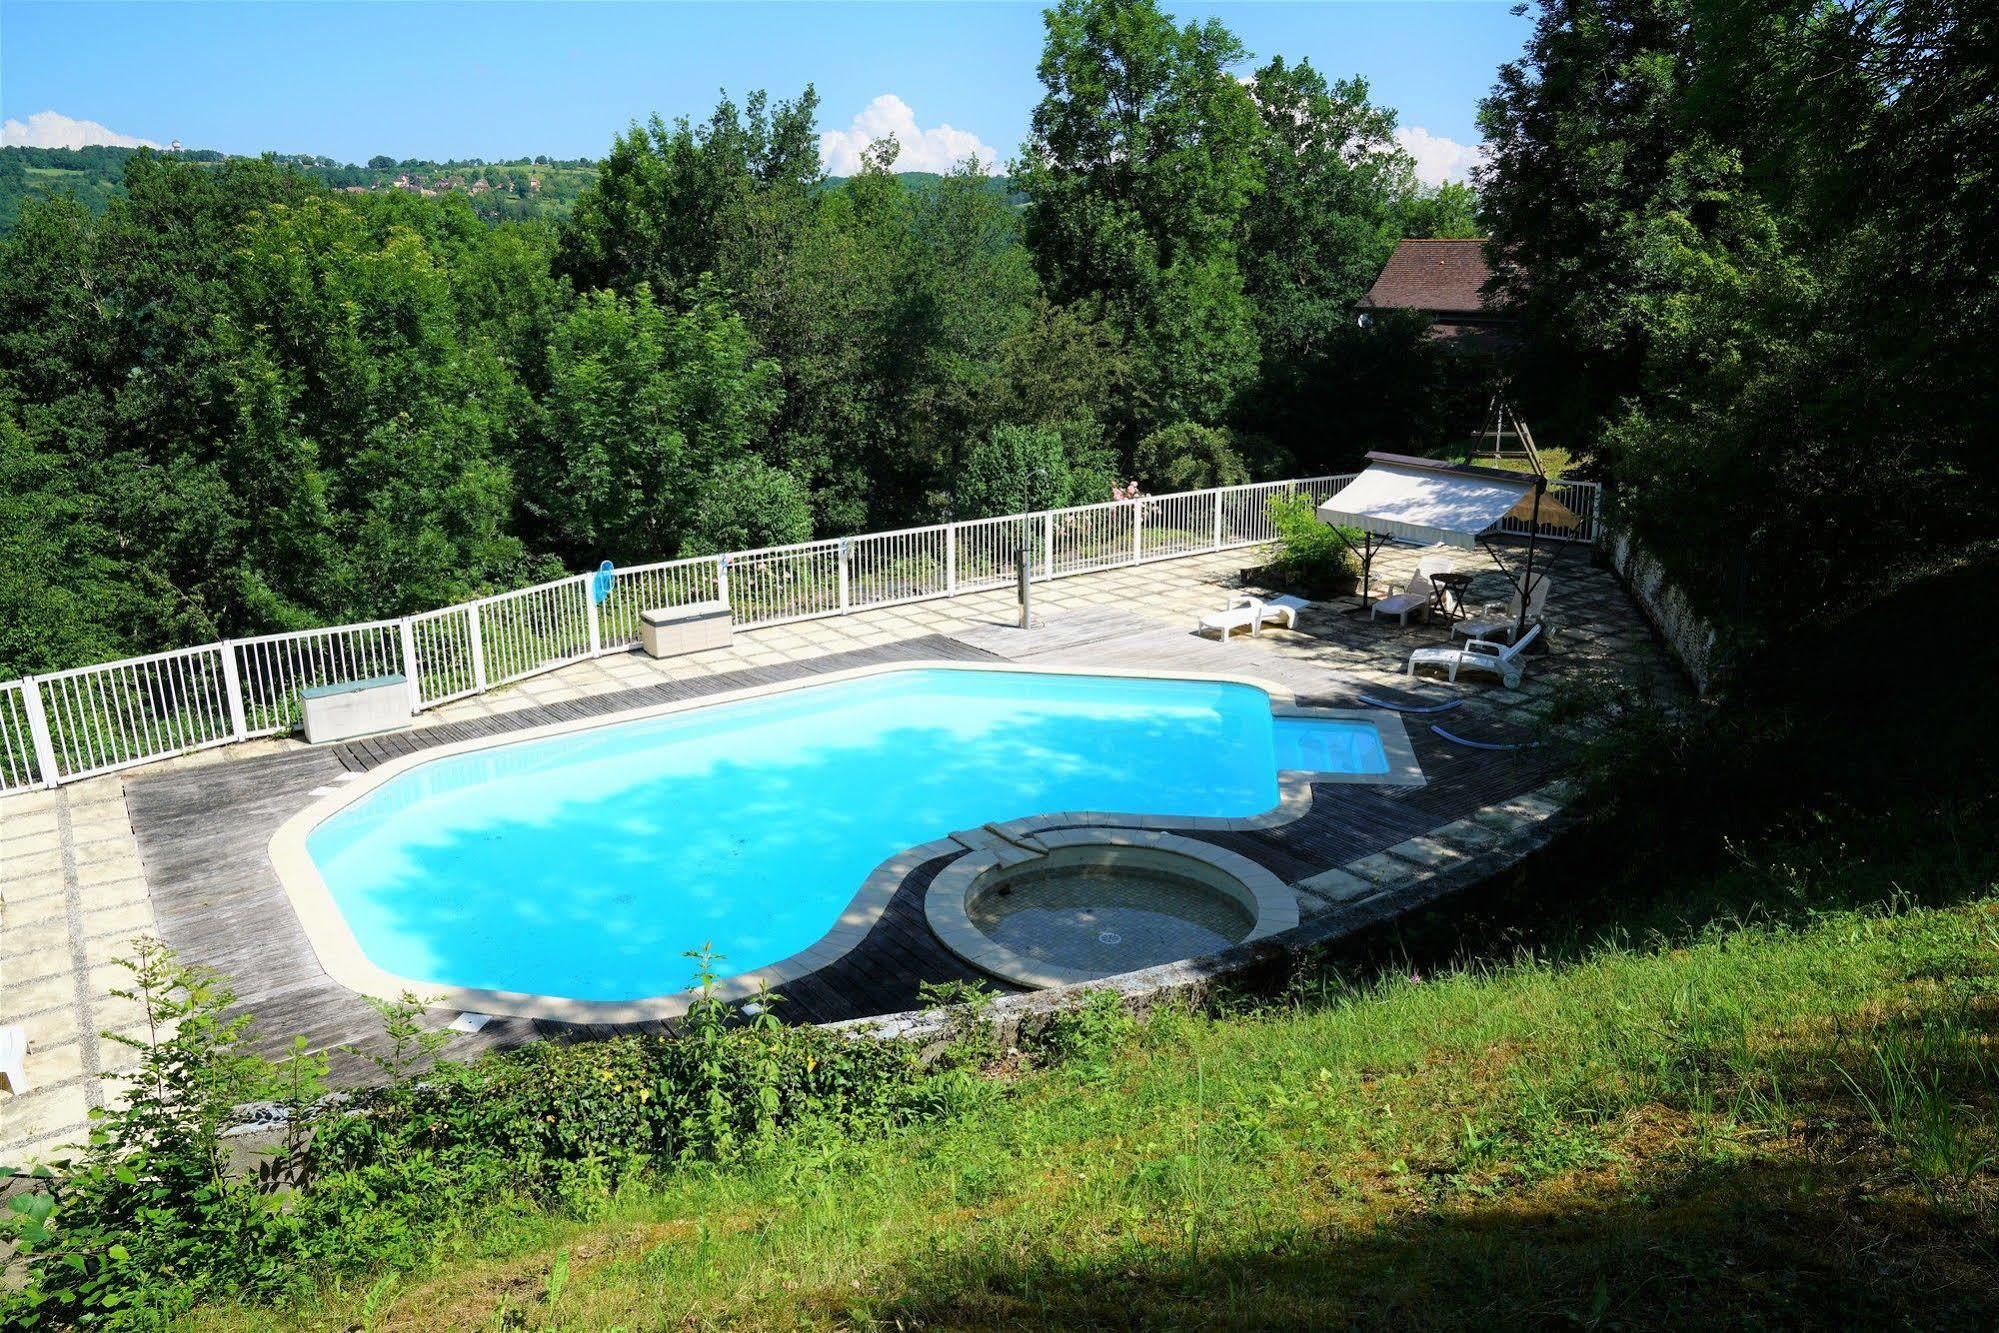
x=748 y=504
x=1188 y=457
x=1015 y=468
x=156 y=1217
x=1315 y=557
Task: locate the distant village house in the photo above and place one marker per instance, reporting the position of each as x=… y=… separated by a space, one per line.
x=1445 y=282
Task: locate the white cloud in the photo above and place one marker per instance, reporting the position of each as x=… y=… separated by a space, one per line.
x=1439 y=159
x=52 y=129
x=937 y=149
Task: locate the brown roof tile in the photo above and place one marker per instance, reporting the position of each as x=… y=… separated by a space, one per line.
x=1439 y=276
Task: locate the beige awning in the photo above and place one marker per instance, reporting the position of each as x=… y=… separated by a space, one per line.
x=1430 y=503
x=1552 y=514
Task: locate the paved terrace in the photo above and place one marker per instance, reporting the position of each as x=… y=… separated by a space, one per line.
x=176 y=849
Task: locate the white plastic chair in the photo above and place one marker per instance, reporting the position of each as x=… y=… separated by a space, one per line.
x=1417 y=596
x=1498 y=659
x=1284 y=609
x=1495 y=620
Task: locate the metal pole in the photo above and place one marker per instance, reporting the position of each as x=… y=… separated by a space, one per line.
x=38 y=731
x=1527 y=587
x=1023 y=574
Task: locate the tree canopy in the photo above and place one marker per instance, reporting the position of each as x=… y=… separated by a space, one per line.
x=239 y=396
x=1748 y=247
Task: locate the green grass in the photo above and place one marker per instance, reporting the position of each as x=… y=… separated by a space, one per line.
x=1790 y=1124
x=1553 y=461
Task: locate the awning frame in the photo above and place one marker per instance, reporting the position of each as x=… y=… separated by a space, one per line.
x=1376 y=537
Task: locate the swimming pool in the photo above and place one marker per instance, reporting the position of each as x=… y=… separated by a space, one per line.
x=584 y=865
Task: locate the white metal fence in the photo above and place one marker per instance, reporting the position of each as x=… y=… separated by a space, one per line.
x=96 y=719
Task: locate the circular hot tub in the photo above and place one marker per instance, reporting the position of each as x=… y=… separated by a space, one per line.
x=1100 y=902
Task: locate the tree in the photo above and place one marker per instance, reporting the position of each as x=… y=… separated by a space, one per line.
x=1447 y=213
x=1740 y=241
x=1326 y=215
x=670 y=203
x=643 y=406
x=1139 y=165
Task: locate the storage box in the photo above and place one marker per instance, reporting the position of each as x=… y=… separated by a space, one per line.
x=356 y=708
x=672 y=630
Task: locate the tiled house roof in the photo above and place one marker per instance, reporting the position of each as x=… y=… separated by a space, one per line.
x=1442 y=277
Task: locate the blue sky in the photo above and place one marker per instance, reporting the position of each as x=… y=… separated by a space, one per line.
x=493 y=80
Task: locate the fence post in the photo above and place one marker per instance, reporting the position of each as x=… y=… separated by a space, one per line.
x=412 y=669
x=844 y=575
x=722 y=581
x=232 y=688
x=1137 y=529
x=38 y=731
x=1218 y=521
x=1048 y=545
x=478 y=637
x=590 y=613
x=951 y=559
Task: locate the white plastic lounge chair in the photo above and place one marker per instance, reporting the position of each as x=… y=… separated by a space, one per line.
x=1283 y=609
x=14 y=1059
x=1497 y=621
x=1242 y=612
x=1479 y=655
x=1415 y=597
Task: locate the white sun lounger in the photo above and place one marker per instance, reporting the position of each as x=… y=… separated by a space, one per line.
x=14 y=1059
x=1479 y=655
x=1416 y=596
x=1252 y=614
x=1495 y=621
x=1241 y=613
x=1283 y=608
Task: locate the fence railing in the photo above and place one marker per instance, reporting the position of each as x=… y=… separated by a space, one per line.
x=97 y=719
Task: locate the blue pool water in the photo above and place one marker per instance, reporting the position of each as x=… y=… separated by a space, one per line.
x=584 y=865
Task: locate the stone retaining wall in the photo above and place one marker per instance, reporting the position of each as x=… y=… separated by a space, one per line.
x=1694 y=642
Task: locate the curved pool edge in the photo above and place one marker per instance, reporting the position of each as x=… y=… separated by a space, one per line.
x=340 y=954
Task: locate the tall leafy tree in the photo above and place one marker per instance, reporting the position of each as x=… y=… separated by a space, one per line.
x=1138 y=168
x=672 y=203
x=1328 y=211
x=1742 y=240
x=643 y=406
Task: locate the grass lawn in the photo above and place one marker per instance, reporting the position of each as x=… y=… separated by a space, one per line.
x=1778 y=1124
x=1553 y=461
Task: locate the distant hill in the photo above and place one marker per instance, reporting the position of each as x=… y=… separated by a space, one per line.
x=498 y=191
x=525 y=188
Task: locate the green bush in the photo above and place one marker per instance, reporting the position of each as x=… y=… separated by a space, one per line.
x=156 y=1217
x=1315 y=557
x=747 y=505
x=1016 y=468
x=1188 y=457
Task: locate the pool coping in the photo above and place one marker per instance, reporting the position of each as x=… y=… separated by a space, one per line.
x=1273 y=906
x=340 y=954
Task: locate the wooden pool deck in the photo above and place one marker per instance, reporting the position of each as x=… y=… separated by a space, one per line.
x=204 y=834
x=179 y=850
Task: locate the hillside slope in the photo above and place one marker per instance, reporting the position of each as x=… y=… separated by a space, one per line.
x=1780 y=1126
